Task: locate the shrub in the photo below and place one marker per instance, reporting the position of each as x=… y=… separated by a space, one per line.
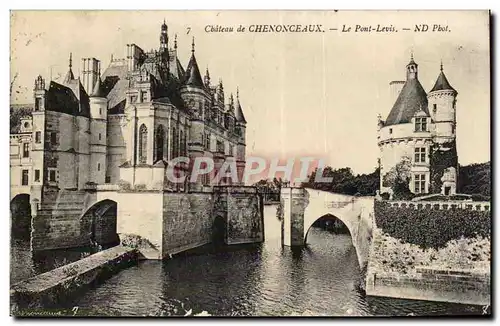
x=124 y=185
x=431 y=228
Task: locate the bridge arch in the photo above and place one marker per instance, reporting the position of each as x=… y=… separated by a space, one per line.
x=303 y=206
x=99 y=223
x=20 y=212
x=328 y=221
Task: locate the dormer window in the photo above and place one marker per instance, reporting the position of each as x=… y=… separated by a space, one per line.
x=434 y=108
x=421 y=124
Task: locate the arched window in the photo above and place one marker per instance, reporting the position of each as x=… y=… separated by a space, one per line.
x=159 y=143
x=143 y=143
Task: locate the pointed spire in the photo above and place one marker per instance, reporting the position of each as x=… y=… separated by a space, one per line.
x=193 y=76
x=207 y=77
x=69 y=76
x=442 y=82
x=97 y=90
x=240 y=117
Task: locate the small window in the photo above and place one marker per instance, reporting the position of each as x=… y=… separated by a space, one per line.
x=420 y=155
x=453 y=129
x=26 y=125
x=38 y=137
x=37 y=176
x=434 y=108
x=99 y=136
x=98 y=166
x=390 y=130
x=419 y=183
x=52 y=176
x=24 y=177
x=100 y=111
x=421 y=124
x=53 y=138
x=26 y=150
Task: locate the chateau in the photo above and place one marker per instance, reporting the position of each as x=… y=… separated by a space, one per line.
x=420 y=131
x=97 y=157
x=122 y=126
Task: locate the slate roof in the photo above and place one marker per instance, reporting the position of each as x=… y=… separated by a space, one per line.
x=240 y=117
x=411 y=99
x=61 y=98
x=97 y=91
x=193 y=76
x=442 y=84
x=114 y=87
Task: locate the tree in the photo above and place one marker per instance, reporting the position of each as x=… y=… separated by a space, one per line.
x=398 y=179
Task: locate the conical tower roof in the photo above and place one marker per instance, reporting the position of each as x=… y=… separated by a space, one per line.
x=411 y=99
x=442 y=83
x=97 y=91
x=69 y=75
x=240 y=117
x=193 y=75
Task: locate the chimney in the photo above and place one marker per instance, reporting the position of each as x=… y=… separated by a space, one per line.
x=395 y=88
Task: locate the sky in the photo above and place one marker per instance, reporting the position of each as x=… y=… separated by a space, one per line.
x=314 y=94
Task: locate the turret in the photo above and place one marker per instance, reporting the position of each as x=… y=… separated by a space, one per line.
x=164 y=37
x=98 y=101
x=442 y=104
x=39 y=93
x=411 y=69
x=69 y=75
x=98 y=131
x=193 y=76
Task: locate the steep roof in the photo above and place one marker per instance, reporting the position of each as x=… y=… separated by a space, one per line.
x=97 y=91
x=114 y=86
x=240 y=117
x=411 y=99
x=193 y=75
x=442 y=84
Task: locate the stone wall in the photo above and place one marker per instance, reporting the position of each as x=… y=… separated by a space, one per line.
x=140 y=215
x=430 y=253
x=58 y=222
x=187 y=221
x=243 y=209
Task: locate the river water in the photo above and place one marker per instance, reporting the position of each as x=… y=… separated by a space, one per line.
x=256 y=280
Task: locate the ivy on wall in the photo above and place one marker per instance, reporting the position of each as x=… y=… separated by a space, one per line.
x=442 y=156
x=431 y=228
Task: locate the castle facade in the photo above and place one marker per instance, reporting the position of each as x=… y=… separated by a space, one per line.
x=124 y=125
x=420 y=131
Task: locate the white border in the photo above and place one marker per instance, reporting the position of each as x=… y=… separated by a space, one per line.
x=179 y=5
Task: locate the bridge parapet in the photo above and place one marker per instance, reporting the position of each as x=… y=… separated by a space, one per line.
x=442 y=205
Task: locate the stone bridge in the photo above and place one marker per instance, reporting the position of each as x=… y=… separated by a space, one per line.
x=303 y=206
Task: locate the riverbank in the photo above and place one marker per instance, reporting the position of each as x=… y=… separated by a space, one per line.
x=50 y=288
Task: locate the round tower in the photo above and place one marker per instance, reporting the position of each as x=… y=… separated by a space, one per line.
x=98 y=134
x=442 y=107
